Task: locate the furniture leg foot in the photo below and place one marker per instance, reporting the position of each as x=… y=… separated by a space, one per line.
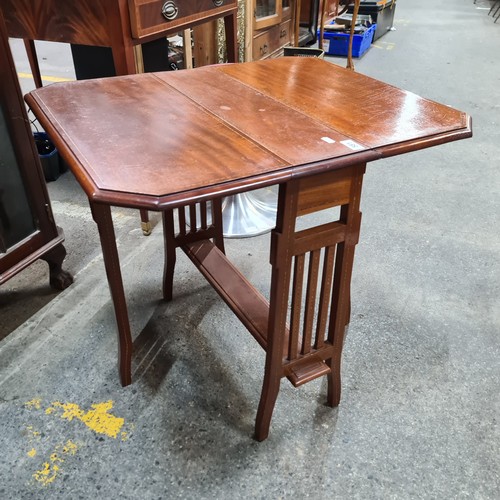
x=334 y=382
x=59 y=278
x=146 y=228
x=145 y=223
x=268 y=397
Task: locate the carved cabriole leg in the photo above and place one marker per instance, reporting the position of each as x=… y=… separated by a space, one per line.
x=102 y=217
x=281 y=261
x=59 y=279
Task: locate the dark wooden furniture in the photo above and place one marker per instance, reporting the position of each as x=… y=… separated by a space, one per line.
x=119 y=24
x=271 y=27
x=27 y=228
x=215 y=143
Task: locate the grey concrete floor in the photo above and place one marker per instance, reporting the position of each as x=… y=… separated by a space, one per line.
x=421 y=368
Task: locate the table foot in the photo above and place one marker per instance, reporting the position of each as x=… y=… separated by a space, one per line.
x=145 y=223
x=270 y=390
x=334 y=382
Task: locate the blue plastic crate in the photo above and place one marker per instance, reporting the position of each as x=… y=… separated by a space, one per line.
x=49 y=157
x=338 y=43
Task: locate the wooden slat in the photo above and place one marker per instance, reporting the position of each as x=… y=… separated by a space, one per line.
x=192 y=218
x=318 y=237
x=312 y=286
x=203 y=215
x=311 y=368
x=182 y=220
x=298 y=280
x=324 y=298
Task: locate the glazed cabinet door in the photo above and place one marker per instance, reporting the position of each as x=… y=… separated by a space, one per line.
x=27 y=228
x=267 y=13
x=273 y=28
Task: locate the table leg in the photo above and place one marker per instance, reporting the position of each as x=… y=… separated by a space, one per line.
x=170 y=254
x=311 y=270
x=33 y=60
x=281 y=261
x=231 y=28
x=200 y=227
x=102 y=216
x=341 y=303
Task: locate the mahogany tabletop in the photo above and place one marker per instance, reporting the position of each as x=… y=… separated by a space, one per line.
x=160 y=140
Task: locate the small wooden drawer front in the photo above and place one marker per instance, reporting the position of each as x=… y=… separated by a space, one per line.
x=148 y=17
x=267 y=42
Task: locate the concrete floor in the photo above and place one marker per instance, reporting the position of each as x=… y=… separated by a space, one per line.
x=421 y=369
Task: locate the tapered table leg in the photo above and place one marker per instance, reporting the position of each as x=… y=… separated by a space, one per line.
x=102 y=217
x=33 y=60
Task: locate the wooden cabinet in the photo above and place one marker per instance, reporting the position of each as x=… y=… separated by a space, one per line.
x=149 y=17
x=270 y=28
x=27 y=228
x=122 y=25
x=266 y=42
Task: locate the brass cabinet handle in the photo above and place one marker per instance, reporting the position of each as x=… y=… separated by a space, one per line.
x=169 y=10
x=218 y=3
x=263 y=49
x=282 y=33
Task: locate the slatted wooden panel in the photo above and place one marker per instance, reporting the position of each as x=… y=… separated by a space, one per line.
x=201 y=217
x=205 y=222
x=311 y=293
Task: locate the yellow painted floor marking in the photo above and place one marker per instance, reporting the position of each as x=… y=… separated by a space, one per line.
x=34 y=404
x=49 y=470
x=46 y=78
x=404 y=22
x=384 y=45
x=98 y=419
x=34 y=434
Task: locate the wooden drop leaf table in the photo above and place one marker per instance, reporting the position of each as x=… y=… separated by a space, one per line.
x=222 y=130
